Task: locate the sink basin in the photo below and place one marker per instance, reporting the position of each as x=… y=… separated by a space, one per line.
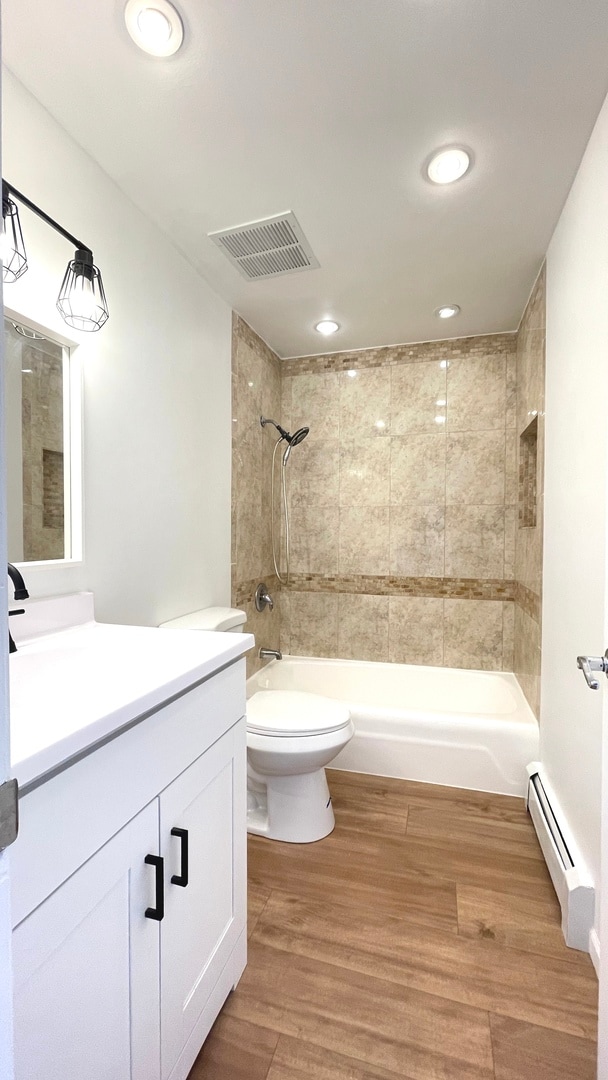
x=72 y=687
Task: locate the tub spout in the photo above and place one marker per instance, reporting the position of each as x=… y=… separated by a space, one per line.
x=268 y=654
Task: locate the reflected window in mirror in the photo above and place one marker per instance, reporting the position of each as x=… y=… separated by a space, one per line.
x=40 y=445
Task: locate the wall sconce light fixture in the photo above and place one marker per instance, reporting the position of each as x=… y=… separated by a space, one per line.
x=82 y=300
x=12 y=247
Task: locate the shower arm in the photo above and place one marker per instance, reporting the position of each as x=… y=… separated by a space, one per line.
x=284 y=434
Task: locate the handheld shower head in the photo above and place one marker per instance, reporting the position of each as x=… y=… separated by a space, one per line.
x=298 y=436
x=294 y=440
x=291 y=440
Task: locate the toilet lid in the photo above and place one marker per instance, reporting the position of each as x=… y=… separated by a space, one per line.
x=291 y=713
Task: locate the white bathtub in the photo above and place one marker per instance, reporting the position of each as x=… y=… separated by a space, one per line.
x=470 y=729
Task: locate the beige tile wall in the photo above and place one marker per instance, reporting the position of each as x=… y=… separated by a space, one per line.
x=256 y=389
x=529 y=539
x=404 y=503
x=403 y=500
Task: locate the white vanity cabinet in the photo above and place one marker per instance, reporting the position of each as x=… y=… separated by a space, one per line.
x=132 y=937
x=87 y=969
x=207 y=806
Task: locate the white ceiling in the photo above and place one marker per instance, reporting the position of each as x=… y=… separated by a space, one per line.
x=329 y=108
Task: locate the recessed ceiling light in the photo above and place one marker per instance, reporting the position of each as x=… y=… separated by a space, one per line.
x=448 y=311
x=327 y=326
x=448 y=165
x=154 y=25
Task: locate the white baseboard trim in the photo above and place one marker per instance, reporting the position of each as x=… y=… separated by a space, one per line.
x=570 y=876
x=594 y=950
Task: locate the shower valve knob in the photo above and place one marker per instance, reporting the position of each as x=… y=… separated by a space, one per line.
x=263 y=598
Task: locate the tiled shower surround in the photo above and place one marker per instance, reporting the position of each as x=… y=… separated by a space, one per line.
x=403 y=504
x=403 y=501
x=529 y=545
x=256 y=389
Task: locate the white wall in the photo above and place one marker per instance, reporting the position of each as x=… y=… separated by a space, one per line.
x=574 y=593
x=157 y=384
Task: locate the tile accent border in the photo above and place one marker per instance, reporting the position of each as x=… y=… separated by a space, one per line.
x=528 y=601
x=388 y=585
x=393 y=355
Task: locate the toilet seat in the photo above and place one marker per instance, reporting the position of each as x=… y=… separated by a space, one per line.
x=292 y=713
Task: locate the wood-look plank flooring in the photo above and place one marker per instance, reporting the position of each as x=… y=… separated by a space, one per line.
x=420 y=941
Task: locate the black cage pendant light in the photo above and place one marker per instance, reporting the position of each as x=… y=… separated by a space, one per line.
x=82 y=300
x=12 y=247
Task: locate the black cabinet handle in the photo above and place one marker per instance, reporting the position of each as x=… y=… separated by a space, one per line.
x=157 y=912
x=181 y=879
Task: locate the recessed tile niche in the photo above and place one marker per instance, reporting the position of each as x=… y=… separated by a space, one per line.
x=528 y=444
x=52 y=489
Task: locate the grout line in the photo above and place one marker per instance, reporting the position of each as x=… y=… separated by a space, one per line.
x=489 y=1015
x=262 y=910
x=350 y=1055
x=274 y=1054
x=339 y=529
x=457 y=909
x=445 y=509
x=504 y=521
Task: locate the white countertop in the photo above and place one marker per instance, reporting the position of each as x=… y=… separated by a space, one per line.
x=76 y=687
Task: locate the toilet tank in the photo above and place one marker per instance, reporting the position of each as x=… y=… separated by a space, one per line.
x=228 y=619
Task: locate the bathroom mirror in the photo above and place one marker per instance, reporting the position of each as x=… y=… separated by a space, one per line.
x=41 y=450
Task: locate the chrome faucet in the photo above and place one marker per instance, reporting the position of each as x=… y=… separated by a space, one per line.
x=268 y=654
x=20 y=593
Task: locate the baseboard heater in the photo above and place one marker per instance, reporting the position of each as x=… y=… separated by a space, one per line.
x=570 y=877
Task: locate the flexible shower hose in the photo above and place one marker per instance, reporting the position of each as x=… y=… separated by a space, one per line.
x=283 y=580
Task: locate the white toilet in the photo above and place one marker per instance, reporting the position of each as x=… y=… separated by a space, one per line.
x=291 y=737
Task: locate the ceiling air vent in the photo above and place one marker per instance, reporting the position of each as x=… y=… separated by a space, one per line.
x=267 y=248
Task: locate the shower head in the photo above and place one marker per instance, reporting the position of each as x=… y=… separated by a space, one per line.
x=293 y=440
x=298 y=436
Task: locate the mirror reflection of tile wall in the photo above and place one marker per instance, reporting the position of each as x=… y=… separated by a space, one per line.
x=35 y=447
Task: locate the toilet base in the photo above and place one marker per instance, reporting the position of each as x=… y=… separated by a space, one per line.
x=294 y=809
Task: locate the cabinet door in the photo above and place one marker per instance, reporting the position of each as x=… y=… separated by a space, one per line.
x=86 y=965
x=204 y=918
